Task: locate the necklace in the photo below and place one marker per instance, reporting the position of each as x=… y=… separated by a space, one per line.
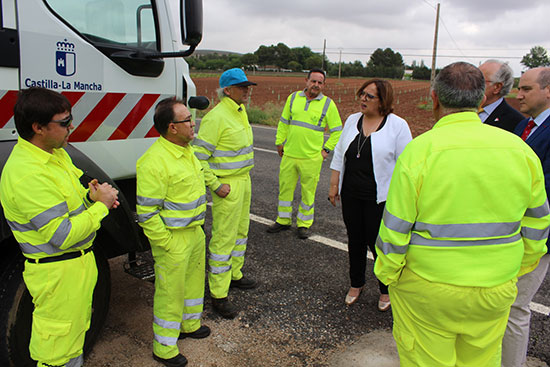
x=360 y=147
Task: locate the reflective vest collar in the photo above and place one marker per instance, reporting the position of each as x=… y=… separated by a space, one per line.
x=318 y=98
x=41 y=155
x=457 y=118
x=176 y=150
x=232 y=104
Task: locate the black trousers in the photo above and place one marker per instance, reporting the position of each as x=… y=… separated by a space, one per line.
x=362 y=219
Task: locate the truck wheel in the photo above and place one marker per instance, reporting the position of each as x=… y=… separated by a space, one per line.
x=16 y=309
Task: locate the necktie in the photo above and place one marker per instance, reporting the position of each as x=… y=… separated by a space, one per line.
x=527 y=129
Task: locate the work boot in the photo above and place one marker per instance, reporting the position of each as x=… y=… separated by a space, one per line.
x=200 y=333
x=177 y=361
x=243 y=283
x=277 y=227
x=225 y=308
x=303 y=233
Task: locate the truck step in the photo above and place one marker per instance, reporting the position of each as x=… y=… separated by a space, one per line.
x=141 y=266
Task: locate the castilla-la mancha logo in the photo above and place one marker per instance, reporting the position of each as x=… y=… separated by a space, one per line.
x=65 y=58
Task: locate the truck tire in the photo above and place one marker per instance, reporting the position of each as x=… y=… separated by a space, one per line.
x=16 y=309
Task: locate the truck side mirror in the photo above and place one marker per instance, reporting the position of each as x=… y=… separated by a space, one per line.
x=200 y=102
x=191 y=22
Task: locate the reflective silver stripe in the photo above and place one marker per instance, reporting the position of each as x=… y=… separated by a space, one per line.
x=232 y=165
x=237 y=253
x=233 y=153
x=292 y=98
x=219 y=269
x=241 y=241
x=183 y=222
x=61 y=233
x=337 y=128
x=50 y=249
x=285 y=203
x=204 y=144
x=538 y=212
x=77 y=211
x=419 y=240
x=41 y=219
x=464 y=230
x=143 y=201
x=166 y=340
x=325 y=109
x=284 y=121
x=201 y=156
x=306 y=207
x=145 y=217
x=75 y=362
x=192 y=316
x=216 y=257
x=306 y=125
x=396 y=224
x=193 y=302
x=166 y=324
x=388 y=248
x=535 y=234
x=185 y=206
x=284 y=214
x=304 y=217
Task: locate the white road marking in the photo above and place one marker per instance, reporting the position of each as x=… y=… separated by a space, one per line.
x=266 y=150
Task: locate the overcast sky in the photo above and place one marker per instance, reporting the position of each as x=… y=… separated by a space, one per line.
x=469 y=30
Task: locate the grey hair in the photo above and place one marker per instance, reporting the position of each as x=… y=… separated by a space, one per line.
x=503 y=75
x=221 y=93
x=544 y=78
x=459 y=85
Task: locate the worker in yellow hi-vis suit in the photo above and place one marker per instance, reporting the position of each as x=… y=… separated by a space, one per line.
x=224 y=147
x=466 y=215
x=171 y=207
x=299 y=141
x=54 y=219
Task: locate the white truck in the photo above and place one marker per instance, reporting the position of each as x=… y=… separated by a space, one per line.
x=114 y=60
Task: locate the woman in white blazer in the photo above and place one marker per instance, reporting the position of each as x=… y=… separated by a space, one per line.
x=362 y=167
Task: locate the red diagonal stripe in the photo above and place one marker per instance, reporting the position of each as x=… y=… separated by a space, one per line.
x=134 y=117
x=95 y=118
x=6 y=106
x=153 y=133
x=73 y=97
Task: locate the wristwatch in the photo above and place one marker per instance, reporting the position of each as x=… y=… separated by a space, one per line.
x=326 y=150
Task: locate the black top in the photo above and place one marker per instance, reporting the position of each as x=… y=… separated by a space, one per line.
x=359 y=179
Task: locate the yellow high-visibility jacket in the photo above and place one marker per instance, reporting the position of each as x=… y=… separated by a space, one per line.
x=466 y=206
x=170 y=191
x=302 y=125
x=45 y=204
x=224 y=142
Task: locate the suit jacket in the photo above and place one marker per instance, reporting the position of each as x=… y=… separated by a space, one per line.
x=505 y=116
x=539 y=141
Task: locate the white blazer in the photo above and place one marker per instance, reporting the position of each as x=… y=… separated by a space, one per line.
x=387 y=144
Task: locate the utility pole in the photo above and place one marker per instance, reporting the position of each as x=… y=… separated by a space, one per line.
x=324 y=49
x=340 y=65
x=435 y=44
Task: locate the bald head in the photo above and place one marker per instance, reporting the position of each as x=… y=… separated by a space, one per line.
x=534 y=91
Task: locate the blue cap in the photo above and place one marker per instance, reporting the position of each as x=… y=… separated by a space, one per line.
x=234 y=77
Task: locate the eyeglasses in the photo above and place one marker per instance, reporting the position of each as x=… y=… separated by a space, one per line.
x=66 y=122
x=368 y=96
x=182 y=121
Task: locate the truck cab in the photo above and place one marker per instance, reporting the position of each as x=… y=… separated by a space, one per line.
x=114 y=60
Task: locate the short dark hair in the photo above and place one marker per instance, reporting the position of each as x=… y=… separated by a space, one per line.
x=38 y=105
x=459 y=85
x=164 y=114
x=317 y=70
x=385 y=94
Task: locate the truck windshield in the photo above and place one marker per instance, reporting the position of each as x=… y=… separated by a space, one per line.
x=129 y=23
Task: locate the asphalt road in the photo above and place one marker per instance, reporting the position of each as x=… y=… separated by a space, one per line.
x=297 y=316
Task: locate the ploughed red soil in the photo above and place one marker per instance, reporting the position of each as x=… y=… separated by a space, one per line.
x=408 y=95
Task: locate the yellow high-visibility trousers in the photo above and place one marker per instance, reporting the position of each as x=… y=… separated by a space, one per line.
x=179 y=289
x=308 y=171
x=227 y=247
x=437 y=324
x=62 y=294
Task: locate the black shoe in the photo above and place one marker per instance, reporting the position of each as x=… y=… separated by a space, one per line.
x=224 y=308
x=200 y=333
x=303 y=233
x=277 y=227
x=243 y=283
x=177 y=361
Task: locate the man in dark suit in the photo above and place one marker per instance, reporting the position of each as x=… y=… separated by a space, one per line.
x=499 y=80
x=534 y=98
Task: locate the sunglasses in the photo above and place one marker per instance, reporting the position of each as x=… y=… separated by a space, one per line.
x=66 y=122
x=368 y=96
